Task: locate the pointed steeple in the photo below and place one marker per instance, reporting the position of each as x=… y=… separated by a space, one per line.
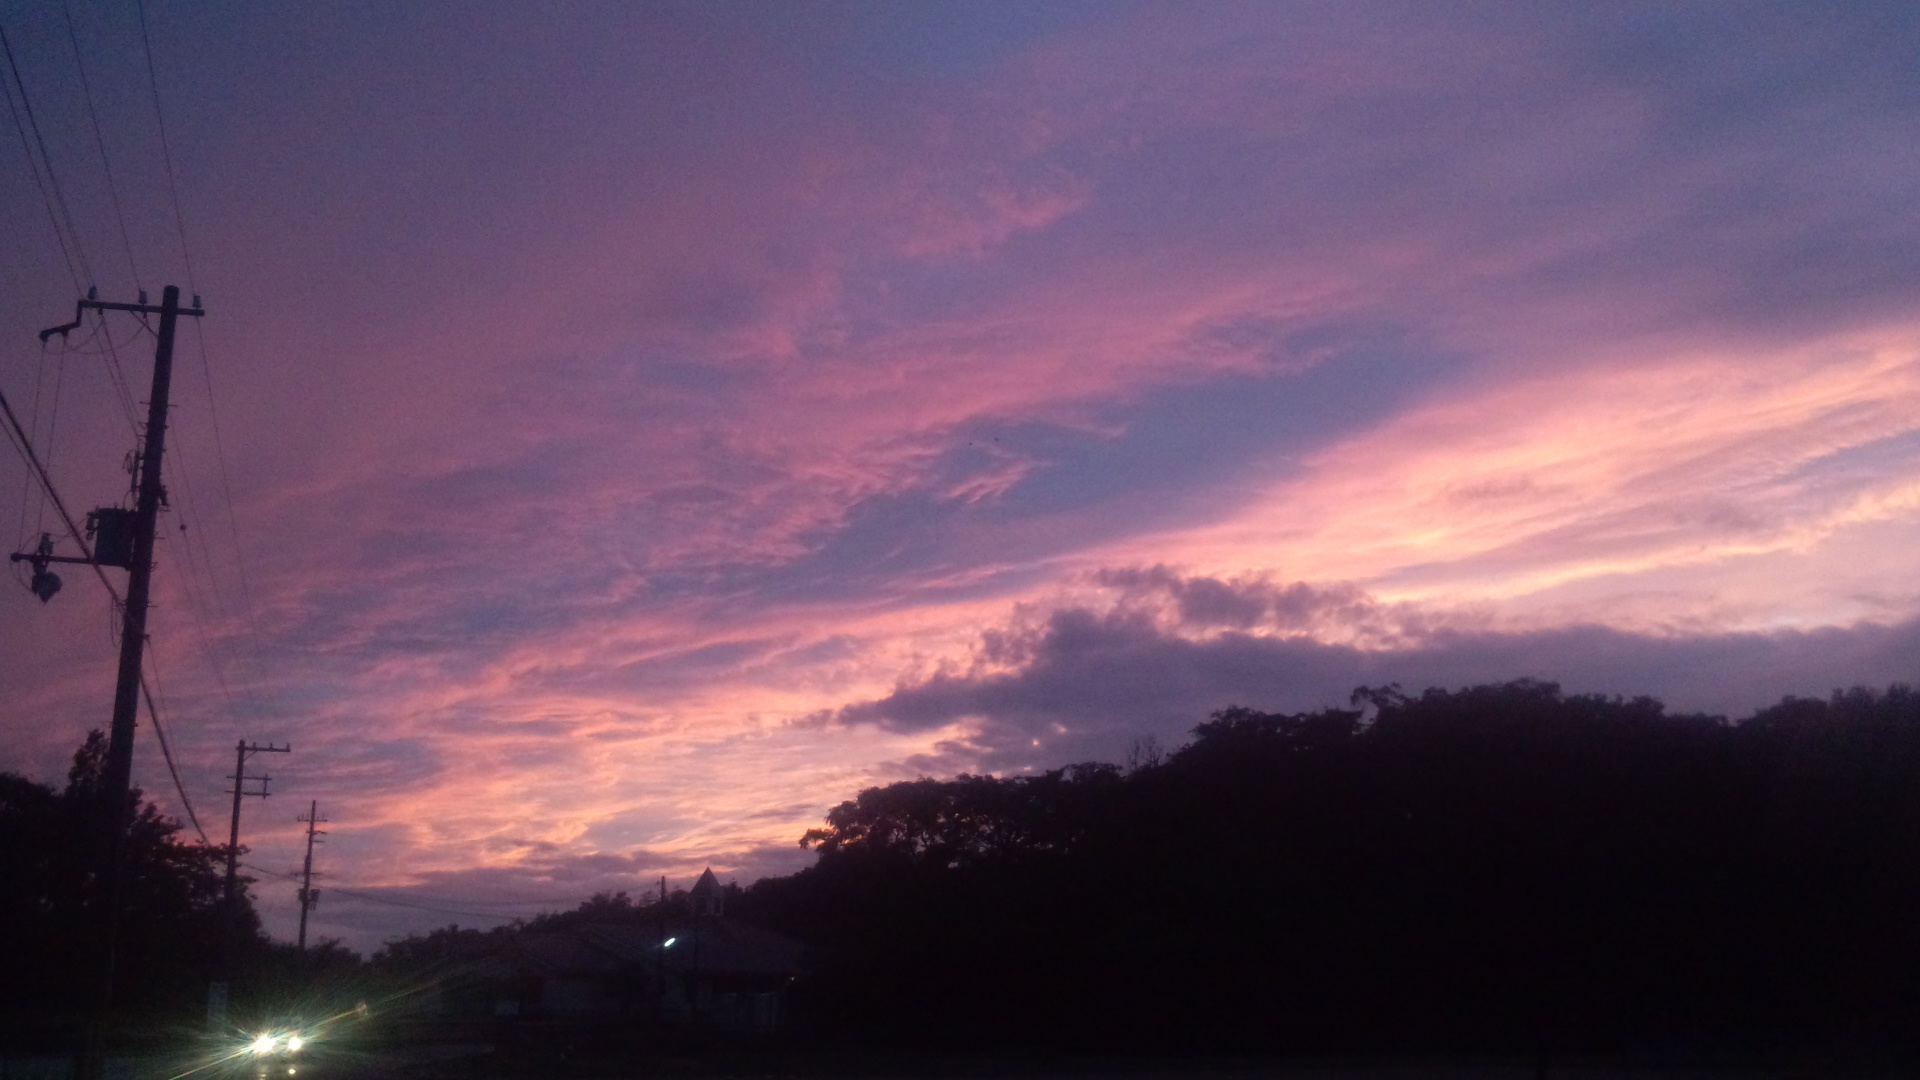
x=707 y=897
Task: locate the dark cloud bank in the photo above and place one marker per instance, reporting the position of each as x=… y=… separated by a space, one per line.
x=1082 y=684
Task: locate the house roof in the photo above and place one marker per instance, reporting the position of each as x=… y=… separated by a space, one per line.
x=712 y=945
x=723 y=946
x=707 y=885
x=563 y=952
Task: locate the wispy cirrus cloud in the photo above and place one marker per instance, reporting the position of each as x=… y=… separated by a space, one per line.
x=619 y=397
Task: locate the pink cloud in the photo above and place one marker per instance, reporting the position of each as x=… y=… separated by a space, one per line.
x=604 y=410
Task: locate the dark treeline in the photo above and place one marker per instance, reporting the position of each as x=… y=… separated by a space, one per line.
x=174 y=935
x=1502 y=869
x=1498 y=869
x=52 y=895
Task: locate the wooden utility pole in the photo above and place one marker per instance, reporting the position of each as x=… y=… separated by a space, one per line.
x=146 y=516
x=308 y=897
x=125 y=539
x=128 y=542
x=230 y=961
x=241 y=752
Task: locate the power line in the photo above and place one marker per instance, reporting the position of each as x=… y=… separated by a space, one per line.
x=206 y=373
x=531 y=902
x=187 y=510
x=115 y=370
x=226 y=486
x=166 y=153
x=200 y=565
x=118 y=376
x=25 y=447
x=308 y=897
x=198 y=609
x=99 y=342
x=46 y=159
x=166 y=751
x=18 y=438
x=388 y=900
x=72 y=250
x=33 y=166
x=206 y=368
x=436 y=909
x=53 y=425
x=440 y=905
x=153 y=713
x=99 y=140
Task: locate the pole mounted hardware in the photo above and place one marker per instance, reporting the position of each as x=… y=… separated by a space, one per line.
x=129 y=536
x=81 y=308
x=241 y=753
x=309 y=895
x=111 y=532
x=45 y=581
x=124 y=537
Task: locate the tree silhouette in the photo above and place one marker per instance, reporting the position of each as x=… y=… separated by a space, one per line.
x=1496 y=869
x=1502 y=867
x=53 y=891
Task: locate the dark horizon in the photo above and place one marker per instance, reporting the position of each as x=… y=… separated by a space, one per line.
x=1499 y=873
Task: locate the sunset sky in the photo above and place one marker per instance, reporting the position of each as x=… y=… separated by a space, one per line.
x=627 y=430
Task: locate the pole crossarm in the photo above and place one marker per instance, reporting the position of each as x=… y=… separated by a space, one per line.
x=308 y=894
x=21 y=556
x=241 y=752
x=133 y=532
x=80 y=309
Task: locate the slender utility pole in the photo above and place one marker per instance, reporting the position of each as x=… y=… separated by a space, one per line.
x=217 y=992
x=308 y=897
x=135 y=553
x=146 y=515
x=241 y=752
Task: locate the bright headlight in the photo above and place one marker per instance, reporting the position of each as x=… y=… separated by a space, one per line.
x=266 y=1044
x=294 y=1043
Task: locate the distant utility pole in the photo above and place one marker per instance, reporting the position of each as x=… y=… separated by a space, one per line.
x=309 y=897
x=240 y=754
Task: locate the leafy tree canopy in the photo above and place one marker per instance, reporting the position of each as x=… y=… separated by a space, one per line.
x=173 y=928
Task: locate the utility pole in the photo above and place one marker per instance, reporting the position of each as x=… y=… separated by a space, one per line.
x=308 y=897
x=217 y=992
x=241 y=752
x=126 y=540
